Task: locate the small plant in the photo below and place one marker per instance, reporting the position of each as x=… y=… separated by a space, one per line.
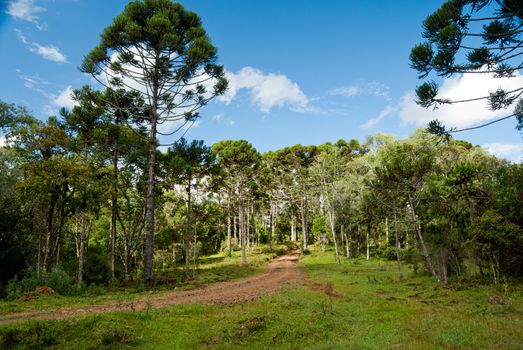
x=148 y=305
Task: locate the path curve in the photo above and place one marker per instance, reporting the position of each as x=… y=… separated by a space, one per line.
x=281 y=272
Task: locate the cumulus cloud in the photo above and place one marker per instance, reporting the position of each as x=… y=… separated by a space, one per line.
x=371 y=123
x=512 y=152
x=372 y=88
x=460 y=115
x=2 y=141
x=26 y=10
x=49 y=52
x=267 y=90
x=64 y=98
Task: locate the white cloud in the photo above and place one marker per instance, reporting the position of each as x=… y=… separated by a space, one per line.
x=372 y=88
x=512 y=152
x=64 y=98
x=460 y=115
x=49 y=52
x=267 y=90
x=26 y=10
x=221 y=118
x=371 y=123
x=2 y=141
x=347 y=91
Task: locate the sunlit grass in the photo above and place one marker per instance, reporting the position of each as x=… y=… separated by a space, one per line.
x=212 y=268
x=356 y=305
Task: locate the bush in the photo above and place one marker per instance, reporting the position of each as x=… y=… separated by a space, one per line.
x=389 y=253
x=57 y=279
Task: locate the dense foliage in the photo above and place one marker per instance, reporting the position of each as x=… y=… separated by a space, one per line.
x=451 y=209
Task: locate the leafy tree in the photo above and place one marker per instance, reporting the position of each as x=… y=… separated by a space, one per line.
x=240 y=161
x=453 y=32
x=188 y=164
x=497 y=241
x=160 y=50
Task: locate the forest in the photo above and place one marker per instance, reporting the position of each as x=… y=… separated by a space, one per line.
x=100 y=207
x=73 y=200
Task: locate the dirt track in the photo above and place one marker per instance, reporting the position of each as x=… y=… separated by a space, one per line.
x=281 y=272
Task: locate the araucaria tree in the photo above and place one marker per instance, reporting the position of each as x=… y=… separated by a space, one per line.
x=160 y=50
x=488 y=35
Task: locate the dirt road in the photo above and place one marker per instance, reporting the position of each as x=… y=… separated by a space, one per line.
x=281 y=272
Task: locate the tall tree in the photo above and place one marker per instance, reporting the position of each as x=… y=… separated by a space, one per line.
x=161 y=50
x=241 y=162
x=188 y=164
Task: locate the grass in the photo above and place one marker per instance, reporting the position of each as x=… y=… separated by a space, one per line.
x=211 y=268
x=356 y=305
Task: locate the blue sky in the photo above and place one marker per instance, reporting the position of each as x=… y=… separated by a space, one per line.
x=301 y=71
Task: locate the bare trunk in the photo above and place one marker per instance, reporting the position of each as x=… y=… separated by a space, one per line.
x=149 y=199
x=368 y=243
x=229 y=223
x=81 y=262
x=126 y=263
x=272 y=227
x=195 y=256
x=187 y=233
x=293 y=227
x=304 y=222
x=248 y=228
x=422 y=242
x=235 y=227
x=149 y=204
x=242 y=230
x=333 y=231
x=114 y=198
x=398 y=257
x=387 y=230
x=347 y=248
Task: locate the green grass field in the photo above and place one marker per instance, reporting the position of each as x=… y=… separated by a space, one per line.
x=356 y=305
x=211 y=268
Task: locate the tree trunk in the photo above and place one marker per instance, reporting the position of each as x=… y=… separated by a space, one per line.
x=187 y=234
x=242 y=232
x=151 y=165
x=81 y=261
x=333 y=231
x=422 y=242
x=368 y=242
x=114 y=199
x=272 y=227
x=242 y=228
x=293 y=227
x=235 y=227
x=229 y=223
x=304 y=223
x=387 y=231
x=347 y=248
x=398 y=257
x=149 y=204
x=248 y=227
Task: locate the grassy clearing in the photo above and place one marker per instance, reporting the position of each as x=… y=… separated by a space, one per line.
x=360 y=305
x=211 y=268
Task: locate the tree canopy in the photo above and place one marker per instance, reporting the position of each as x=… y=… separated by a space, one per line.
x=472 y=37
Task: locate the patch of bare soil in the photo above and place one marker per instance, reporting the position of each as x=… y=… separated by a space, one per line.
x=281 y=272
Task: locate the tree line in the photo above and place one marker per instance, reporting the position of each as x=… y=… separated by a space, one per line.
x=74 y=192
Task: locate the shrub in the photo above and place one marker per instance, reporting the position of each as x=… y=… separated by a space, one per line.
x=57 y=279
